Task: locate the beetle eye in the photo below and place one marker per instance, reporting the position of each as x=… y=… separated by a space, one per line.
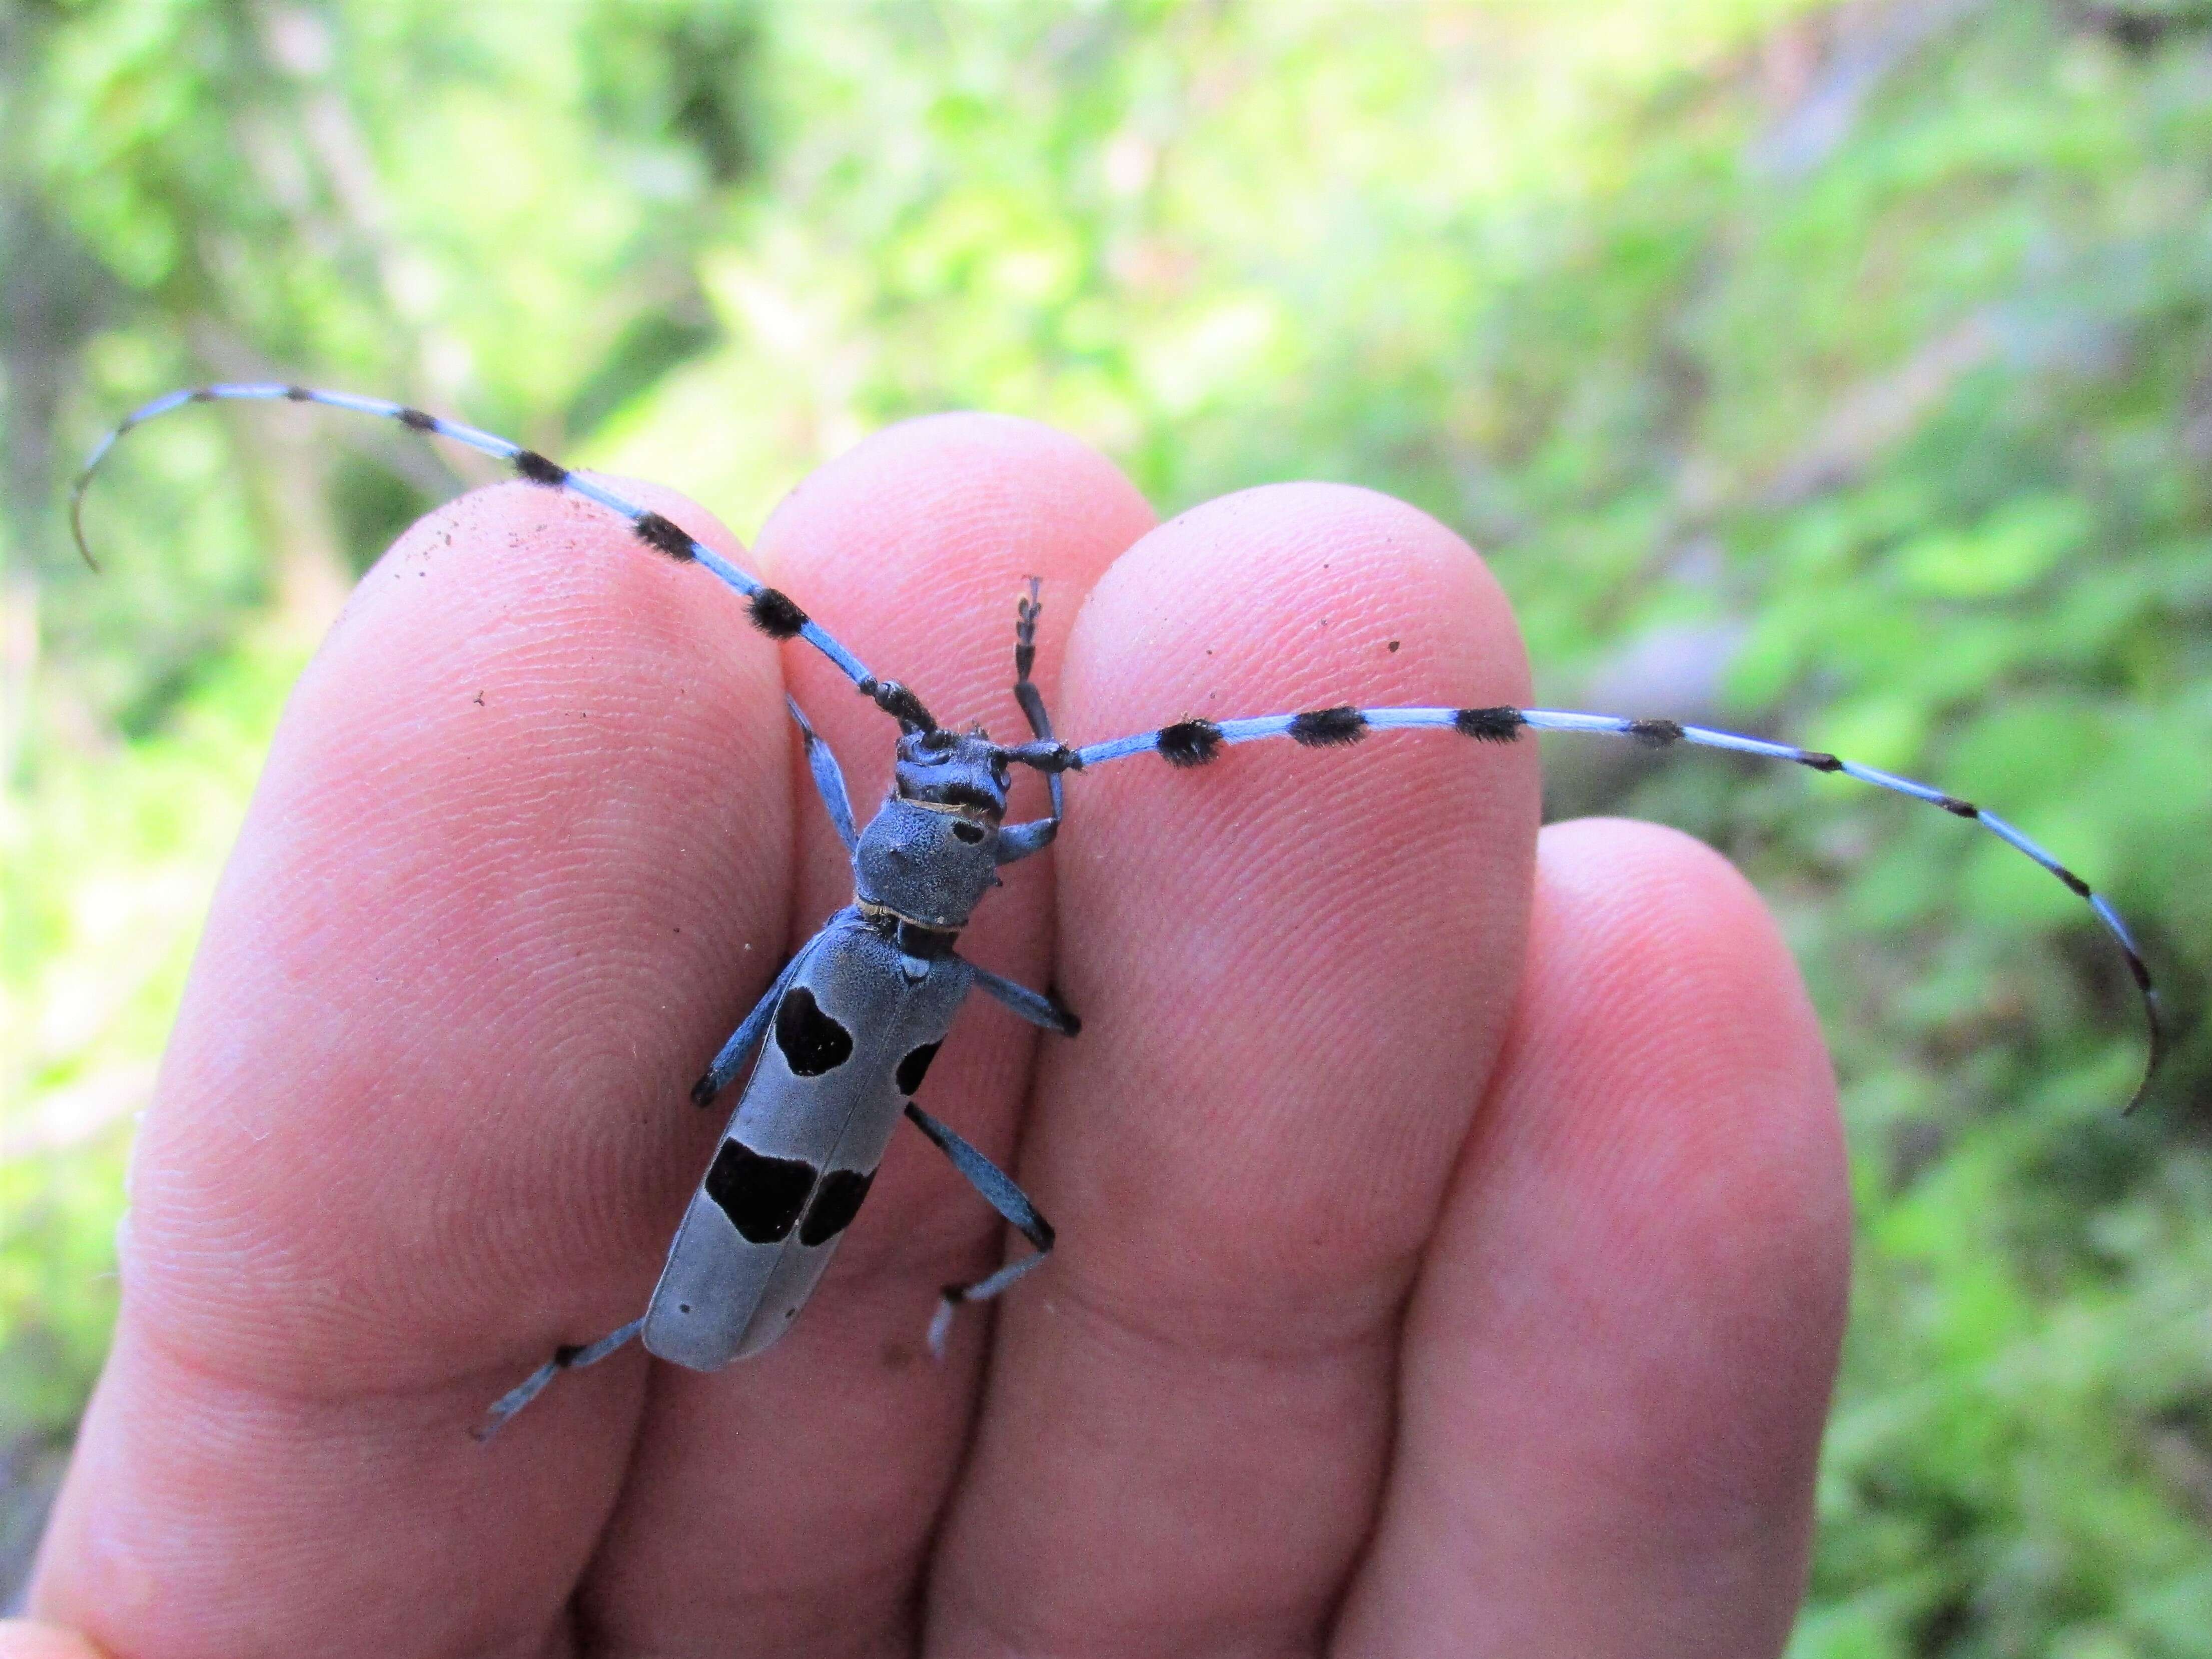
x=968 y=832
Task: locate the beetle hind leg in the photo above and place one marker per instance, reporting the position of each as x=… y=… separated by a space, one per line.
x=954 y=1296
x=563 y=1359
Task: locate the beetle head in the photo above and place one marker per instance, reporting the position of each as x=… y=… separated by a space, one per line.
x=962 y=769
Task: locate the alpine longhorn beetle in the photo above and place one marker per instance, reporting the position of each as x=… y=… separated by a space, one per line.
x=860 y=1011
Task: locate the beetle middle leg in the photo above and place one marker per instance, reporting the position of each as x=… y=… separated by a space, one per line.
x=1000 y=1193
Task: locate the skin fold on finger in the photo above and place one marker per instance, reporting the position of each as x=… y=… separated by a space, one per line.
x=521 y=844
x=1295 y=967
x=1619 y=1360
x=787 y=1504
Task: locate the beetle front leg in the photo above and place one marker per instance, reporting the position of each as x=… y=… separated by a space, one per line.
x=1018 y=840
x=1035 y=1006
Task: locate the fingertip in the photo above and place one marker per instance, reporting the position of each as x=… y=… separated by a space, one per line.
x=1307 y=580
x=1294 y=966
x=979 y=465
x=915 y=544
x=520 y=846
x=526 y=803
x=1667 y=1089
x=1689 y=983
x=519 y=551
x=1620 y=1357
x=1256 y=940
x=914 y=548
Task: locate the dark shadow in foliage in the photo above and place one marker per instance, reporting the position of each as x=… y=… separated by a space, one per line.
x=2144 y=25
x=372 y=505
x=661 y=73
x=653 y=343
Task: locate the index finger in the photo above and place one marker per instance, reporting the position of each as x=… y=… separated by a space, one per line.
x=520 y=852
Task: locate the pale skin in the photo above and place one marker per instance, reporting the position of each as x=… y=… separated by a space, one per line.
x=1453 y=1220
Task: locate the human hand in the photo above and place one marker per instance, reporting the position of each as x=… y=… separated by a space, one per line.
x=1453 y=1220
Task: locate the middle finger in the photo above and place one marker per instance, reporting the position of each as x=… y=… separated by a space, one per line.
x=1294 y=969
x=785 y=1505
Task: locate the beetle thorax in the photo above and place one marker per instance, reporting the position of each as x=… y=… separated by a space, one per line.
x=930 y=853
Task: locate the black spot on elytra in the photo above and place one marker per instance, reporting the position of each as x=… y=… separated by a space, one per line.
x=963 y=830
x=665 y=535
x=812 y=1041
x=835 y=1205
x=529 y=464
x=415 y=420
x=1820 y=760
x=1329 y=728
x=763 y=1196
x=1489 y=724
x=1656 y=734
x=1188 y=743
x=775 y=616
x=916 y=1066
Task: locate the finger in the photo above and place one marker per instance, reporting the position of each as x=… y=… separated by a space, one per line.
x=520 y=848
x=786 y=1504
x=1293 y=969
x=1618 y=1360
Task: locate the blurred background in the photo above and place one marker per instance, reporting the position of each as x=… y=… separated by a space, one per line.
x=1839 y=371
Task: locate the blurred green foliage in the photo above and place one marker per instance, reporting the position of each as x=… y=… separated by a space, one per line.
x=1861 y=355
